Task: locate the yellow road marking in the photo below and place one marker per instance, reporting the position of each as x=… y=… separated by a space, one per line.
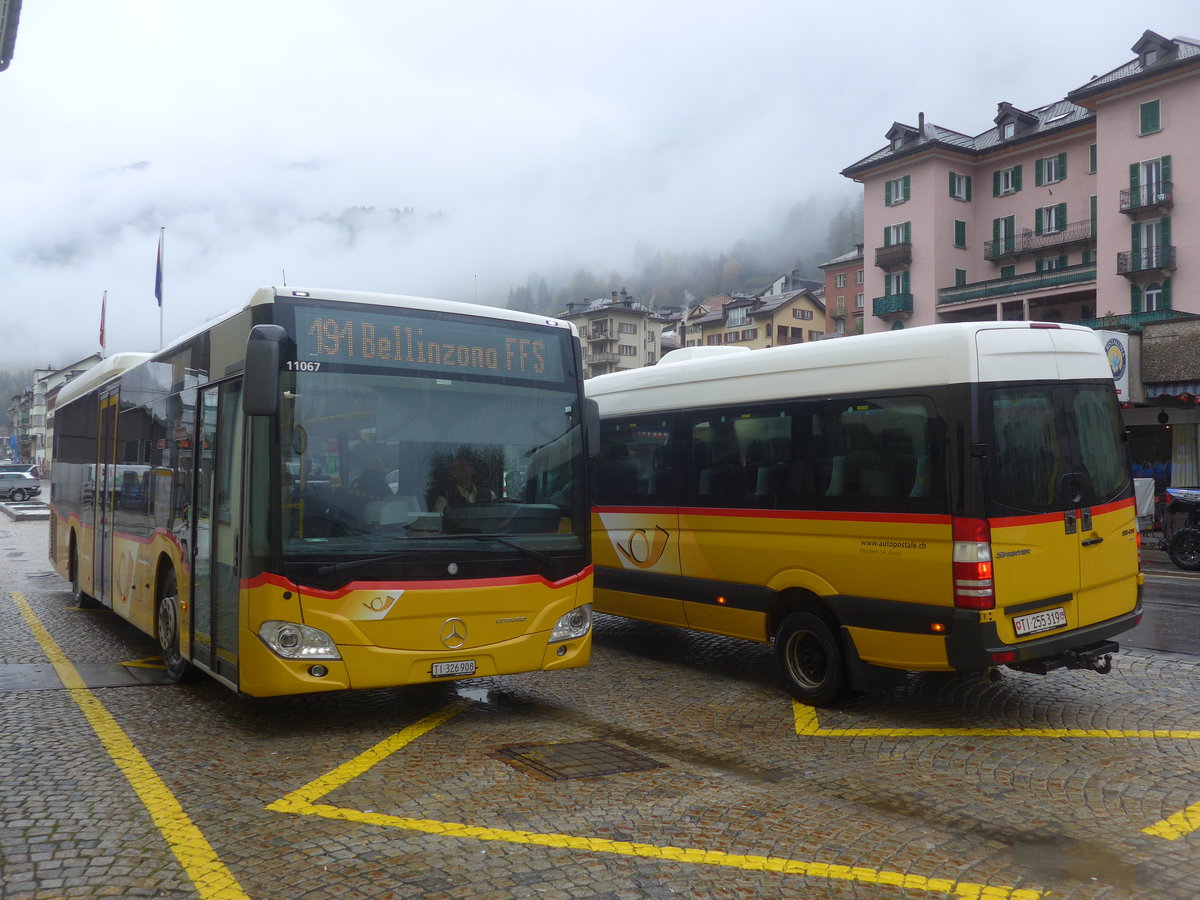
x=807 y=725
x=208 y=874
x=304 y=802
x=1179 y=825
x=1176 y=826
x=149 y=662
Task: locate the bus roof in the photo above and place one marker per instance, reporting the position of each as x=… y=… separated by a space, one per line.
x=914 y=357
x=108 y=368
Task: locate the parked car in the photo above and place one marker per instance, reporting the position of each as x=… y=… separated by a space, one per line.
x=18 y=486
x=30 y=468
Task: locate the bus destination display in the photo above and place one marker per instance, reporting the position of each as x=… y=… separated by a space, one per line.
x=426 y=345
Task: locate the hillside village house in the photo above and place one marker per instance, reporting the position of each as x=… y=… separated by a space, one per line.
x=617 y=333
x=769 y=320
x=1084 y=210
x=845 y=297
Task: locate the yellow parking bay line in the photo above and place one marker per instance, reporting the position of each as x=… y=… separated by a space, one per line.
x=304 y=801
x=208 y=874
x=807 y=725
x=1176 y=826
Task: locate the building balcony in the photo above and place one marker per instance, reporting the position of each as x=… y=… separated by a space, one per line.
x=891 y=304
x=1147 y=261
x=893 y=255
x=597 y=358
x=1028 y=242
x=600 y=336
x=1018 y=284
x=1148 y=198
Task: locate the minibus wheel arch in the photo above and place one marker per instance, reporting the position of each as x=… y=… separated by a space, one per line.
x=169 y=622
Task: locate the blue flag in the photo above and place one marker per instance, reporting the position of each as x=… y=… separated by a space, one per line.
x=158 y=272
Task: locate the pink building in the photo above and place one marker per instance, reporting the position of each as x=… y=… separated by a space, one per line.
x=1084 y=210
x=845 y=292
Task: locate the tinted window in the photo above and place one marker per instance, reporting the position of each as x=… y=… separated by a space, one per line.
x=635 y=464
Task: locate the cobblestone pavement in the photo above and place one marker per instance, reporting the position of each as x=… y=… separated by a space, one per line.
x=1072 y=785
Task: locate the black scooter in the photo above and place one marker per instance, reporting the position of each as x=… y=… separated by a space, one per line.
x=1181 y=528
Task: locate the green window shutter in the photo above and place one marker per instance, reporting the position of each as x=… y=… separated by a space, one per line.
x=907 y=183
x=1135 y=299
x=908 y=232
x=887 y=195
x=996 y=183
x=1037 y=220
x=969 y=184
x=1166 y=293
x=1135 y=237
x=1135 y=173
x=1037 y=173
x=1164 y=230
x=1166 y=168
x=960 y=277
x=1149 y=117
x=1008 y=271
x=995 y=233
x=1062 y=217
x=1062 y=166
x=904 y=283
x=887 y=237
x=960 y=233
x=1062 y=261
x=1092 y=158
x=1037 y=267
x=951 y=184
x=1092 y=213
x=1017 y=177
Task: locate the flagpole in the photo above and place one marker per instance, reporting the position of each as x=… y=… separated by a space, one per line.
x=103 y=310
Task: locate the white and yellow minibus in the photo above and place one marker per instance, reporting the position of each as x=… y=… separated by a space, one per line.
x=947 y=498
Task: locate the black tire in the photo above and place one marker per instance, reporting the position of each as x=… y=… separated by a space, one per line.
x=810 y=659
x=177 y=667
x=81 y=599
x=17 y=496
x=1184 y=549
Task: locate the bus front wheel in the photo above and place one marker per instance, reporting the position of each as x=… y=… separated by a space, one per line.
x=168 y=630
x=81 y=598
x=810 y=659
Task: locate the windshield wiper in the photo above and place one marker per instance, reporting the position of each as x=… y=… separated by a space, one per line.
x=333 y=568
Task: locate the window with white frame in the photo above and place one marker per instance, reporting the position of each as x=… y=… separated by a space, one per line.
x=802 y=313
x=960 y=186
x=628 y=350
x=1051 y=217
x=1010 y=180
x=858 y=276
x=898 y=234
x=1152 y=297
x=896 y=190
x=839 y=280
x=735 y=317
x=1052 y=168
x=627 y=328
x=859 y=300
x=1008 y=129
x=895 y=282
x=750 y=334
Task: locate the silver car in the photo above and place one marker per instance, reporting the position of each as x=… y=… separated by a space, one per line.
x=18 y=486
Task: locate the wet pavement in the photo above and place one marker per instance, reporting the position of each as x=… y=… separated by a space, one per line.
x=674 y=765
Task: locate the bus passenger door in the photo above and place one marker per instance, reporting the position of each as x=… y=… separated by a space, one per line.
x=104 y=495
x=635 y=521
x=216 y=581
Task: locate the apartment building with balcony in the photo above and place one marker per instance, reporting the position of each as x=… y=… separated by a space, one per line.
x=1086 y=209
x=768 y=320
x=617 y=333
x=845 y=297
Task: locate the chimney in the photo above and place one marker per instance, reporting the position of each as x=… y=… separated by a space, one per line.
x=921 y=124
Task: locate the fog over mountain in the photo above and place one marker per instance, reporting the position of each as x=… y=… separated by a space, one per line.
x=464 y=149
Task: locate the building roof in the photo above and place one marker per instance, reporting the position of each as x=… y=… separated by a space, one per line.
x=1175 y=53
x=856 y=253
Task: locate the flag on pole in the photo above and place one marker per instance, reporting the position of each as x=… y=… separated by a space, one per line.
x=158 y=270
x=103 y=309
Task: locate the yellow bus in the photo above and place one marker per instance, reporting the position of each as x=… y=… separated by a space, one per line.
x=268 y=495
x=947 y=498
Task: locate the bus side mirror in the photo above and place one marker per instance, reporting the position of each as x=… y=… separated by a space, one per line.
x=591 y=426
x=260 y=378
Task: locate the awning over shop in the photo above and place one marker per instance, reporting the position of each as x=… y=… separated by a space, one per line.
x=1183 y=391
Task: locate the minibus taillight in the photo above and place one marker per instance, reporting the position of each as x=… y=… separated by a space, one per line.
x=973 y=585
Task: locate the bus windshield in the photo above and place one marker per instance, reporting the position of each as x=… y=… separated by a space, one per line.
x=378 y=462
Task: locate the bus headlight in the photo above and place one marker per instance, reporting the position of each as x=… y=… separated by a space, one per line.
x=574 y=624
x=292 y=641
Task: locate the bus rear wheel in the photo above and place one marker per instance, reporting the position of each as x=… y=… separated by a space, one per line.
x=1184 y=549
x=168 y=630
x=810 y=659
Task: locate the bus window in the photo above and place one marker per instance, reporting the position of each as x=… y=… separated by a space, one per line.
x=1102 y=455
x=1027 y=457
x=635 y=463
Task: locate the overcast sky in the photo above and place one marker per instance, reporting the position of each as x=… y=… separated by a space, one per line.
x=523 y=135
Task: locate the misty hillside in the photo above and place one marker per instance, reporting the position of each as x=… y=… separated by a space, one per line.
x=806 y=236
